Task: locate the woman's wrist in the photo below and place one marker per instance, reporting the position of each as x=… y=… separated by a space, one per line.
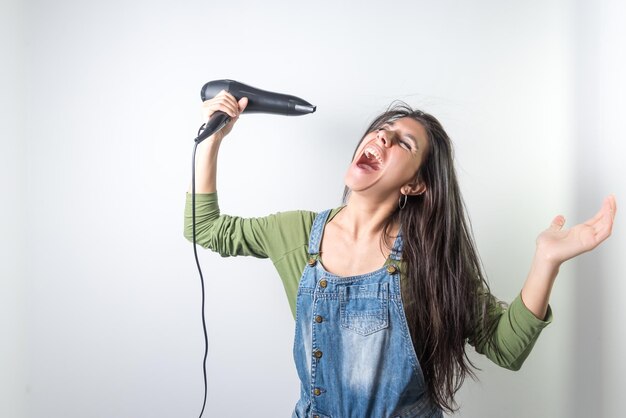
x=206 y=165
x=544 y=265
x=538 y=285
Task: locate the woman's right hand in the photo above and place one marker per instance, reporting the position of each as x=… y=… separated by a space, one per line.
x=206 y=161
x=226 y=103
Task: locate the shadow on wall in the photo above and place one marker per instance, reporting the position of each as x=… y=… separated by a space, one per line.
x=588 y=339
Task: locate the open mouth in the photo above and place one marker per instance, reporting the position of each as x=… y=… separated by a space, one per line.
x=370 y=160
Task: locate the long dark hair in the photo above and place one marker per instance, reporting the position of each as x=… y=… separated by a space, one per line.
x=444 y=286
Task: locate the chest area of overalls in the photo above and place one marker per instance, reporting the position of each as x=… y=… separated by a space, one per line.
x=360 y=303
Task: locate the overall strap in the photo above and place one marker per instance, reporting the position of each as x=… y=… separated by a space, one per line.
x=316 y=232
x=396 y=251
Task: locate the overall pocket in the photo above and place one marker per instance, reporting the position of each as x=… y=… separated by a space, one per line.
x=364 y=308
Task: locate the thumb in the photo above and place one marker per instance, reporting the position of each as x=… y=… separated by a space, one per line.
x=243 y=103
x=557 y=223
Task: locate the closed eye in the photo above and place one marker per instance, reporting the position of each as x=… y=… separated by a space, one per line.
x=404 y=143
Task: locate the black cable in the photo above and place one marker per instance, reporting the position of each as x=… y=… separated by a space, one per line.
x=195 y=253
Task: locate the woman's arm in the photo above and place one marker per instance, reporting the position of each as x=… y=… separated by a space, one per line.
x=506 y=335
x=206 y=154
x=555 y=246
x=269 y=236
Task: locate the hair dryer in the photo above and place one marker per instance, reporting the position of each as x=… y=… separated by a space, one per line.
x=259 y=101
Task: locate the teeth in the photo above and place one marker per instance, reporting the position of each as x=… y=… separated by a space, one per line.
x=371 y=151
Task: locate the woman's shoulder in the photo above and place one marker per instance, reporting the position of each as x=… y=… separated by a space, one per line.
x=301 y=218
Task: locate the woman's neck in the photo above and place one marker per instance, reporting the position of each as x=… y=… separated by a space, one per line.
x=364 y=218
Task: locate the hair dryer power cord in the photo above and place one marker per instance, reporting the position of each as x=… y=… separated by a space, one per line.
x=195 y=253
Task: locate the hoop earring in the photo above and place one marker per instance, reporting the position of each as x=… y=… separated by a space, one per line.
x=403 y=204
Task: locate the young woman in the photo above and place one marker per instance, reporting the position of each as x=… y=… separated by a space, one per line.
x=388 y=288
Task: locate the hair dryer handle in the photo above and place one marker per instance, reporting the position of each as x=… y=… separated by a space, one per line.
x=216 y=122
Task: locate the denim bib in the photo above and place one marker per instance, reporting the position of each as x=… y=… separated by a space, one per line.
x=352 y=347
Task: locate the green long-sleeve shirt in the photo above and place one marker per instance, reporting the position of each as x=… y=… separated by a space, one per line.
x=283 y=237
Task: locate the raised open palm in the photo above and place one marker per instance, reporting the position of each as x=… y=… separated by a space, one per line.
x=557 y=245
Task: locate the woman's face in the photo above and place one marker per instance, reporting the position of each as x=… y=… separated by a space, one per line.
x=387 y=160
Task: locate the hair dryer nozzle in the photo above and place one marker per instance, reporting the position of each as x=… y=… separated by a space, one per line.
x=305 y=108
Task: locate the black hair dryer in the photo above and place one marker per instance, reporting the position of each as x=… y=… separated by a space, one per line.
x=259 y=101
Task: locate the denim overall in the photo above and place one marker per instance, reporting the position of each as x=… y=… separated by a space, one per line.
x=352 y=347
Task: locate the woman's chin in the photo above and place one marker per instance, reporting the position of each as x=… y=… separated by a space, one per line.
x=362 y=175
x=357 y=183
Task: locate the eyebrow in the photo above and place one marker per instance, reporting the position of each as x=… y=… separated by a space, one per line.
x=411 y=137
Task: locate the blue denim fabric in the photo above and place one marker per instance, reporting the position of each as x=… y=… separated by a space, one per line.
x=352 y=348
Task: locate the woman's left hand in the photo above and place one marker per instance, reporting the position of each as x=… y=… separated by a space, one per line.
x=556 y=245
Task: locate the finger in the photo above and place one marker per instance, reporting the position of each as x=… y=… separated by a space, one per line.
x=612 y=204
x=602 y=232
x=241 y=106
x=604 y=225
x=223 y=94
x=557 y=223
x=608 y=208
x=605 y=208
x=222 y=104
x=243 y=103
x=225 y=98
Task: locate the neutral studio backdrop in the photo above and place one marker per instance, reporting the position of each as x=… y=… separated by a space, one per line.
x=99 y=296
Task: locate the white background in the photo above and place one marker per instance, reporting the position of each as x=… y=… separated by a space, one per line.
x=99 y=296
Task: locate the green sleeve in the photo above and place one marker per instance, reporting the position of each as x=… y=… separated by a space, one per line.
x=263 y=237
x=282 y=237
x=513 y=333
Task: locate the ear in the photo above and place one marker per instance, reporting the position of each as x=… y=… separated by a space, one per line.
x=413 y=189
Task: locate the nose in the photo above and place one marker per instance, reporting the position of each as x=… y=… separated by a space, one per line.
x=385 y=137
